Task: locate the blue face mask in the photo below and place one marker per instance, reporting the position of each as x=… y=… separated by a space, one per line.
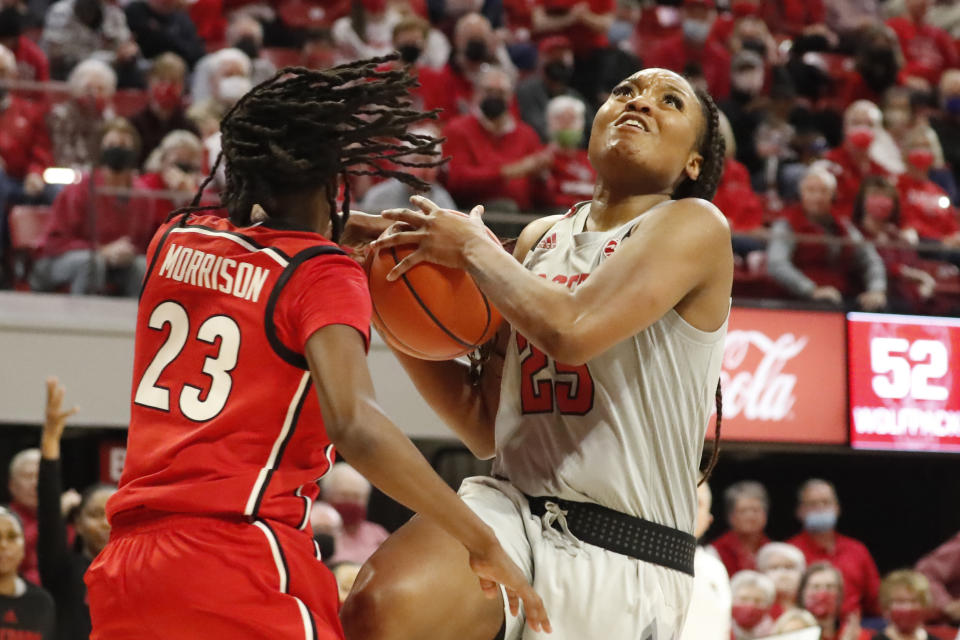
x=952 y=105
x=820 y=521
x=696 y=30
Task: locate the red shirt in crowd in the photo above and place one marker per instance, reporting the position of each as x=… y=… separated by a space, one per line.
x=583 y=38
x=32 y=62
x=849 y=176
x=790 y=17
x=942 y=568
x=675 y=53
x=737 y=200
x=444 y=89
x=248 y=298
x=826 y=264
x=571 y=178
x=28 y=568
x=70 y=226
x=734 y=554
x=477 y=156
x=861 y=580
x=24 y=141
x=928 y=50
x=926 y=208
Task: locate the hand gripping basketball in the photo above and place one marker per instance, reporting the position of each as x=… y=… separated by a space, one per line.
x=494 y=568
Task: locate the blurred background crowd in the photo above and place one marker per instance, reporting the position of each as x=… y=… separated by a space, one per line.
x=842 y=120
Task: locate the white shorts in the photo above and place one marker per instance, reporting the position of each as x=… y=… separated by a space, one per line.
x=588 y=592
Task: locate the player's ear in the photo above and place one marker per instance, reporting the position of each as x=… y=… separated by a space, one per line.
x=693 y=166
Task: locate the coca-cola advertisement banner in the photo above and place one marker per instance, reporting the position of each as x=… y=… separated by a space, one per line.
x=784 y=377
x=904 y=382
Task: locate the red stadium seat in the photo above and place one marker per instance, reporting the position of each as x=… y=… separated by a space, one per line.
x=27 y=226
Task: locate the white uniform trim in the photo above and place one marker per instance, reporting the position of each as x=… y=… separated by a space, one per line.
x=269 y=251
x=305 y=616
x=275 y=551
x=307 y=506
x=272 y=460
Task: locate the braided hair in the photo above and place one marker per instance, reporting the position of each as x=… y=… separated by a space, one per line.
x=302 y=128
x=711 y=146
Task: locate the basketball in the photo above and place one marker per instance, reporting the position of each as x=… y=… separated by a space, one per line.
x=431 y=312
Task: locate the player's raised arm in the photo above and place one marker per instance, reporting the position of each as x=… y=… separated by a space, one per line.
x=370 y=442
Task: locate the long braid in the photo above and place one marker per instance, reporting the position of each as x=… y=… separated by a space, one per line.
x=711 y=146
x=302 y=128
x=716 y=438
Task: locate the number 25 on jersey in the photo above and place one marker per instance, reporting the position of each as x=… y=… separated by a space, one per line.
x=569 y=389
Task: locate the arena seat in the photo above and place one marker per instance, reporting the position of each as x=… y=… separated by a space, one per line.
x=27 y=226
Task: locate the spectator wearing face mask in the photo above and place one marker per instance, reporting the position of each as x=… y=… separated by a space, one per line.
x=244 y=34
x=851 y=162
x=175 y=167
x=746 y=504
x=694 y=45
x=83 y=254
x=163 y=25
x=927 y=211
x=818 y=509
x=784 y=564
x=822 y=594
x=75 y=125
x=947 y=122
x=366 y=32
x=164 y=111
x=419 y=44
x=824 y=271
x=905 y=600
x=228 y=80
x=708 y=616
x=753 y=596
x=32 y=62
x=585 y=24
x=746 y=105
x=877 y=213
x=394 y=194
x=572 y=176
x=496 y=159
x=475 y=48
x=554 y=72
x=928 y=49
x=75 y=30
x=349 y=492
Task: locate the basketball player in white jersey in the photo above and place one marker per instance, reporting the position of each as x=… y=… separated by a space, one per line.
x=617 y=312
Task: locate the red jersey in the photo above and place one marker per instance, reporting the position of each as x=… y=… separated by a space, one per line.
x=926 y=208
x=224 y=419
x=737 y=200
x=928 y=50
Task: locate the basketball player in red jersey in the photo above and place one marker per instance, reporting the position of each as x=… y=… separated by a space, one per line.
x=250 y=368
x=609 y=374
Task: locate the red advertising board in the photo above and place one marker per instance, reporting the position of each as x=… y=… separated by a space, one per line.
x=904 y=382
x=784 y=377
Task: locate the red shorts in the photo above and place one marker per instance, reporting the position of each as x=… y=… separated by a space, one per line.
x=191 y=577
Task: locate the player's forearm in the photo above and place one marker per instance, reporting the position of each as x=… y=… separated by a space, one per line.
x=384 y=455
x=447 y=388
x=542 y=311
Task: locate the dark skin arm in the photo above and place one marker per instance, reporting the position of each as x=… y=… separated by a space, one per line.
x=446 y=386
x=370 y=442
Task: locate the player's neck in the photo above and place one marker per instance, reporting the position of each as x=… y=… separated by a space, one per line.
x=611 y=209
x=8 y=585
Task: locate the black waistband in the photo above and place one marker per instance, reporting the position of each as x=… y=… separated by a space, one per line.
x=623 y=534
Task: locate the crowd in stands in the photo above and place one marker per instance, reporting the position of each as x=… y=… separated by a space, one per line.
x=842 y=121
x=747 y=586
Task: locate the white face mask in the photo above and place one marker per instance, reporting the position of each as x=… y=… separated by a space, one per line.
x=233 y=88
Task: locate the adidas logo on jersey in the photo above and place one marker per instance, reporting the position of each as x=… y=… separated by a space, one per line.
x=550 y=242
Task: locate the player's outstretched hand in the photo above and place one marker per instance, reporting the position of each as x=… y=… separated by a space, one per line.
x=494 y=567
x=361 y=230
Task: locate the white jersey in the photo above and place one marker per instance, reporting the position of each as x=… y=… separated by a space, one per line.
x=627 y=429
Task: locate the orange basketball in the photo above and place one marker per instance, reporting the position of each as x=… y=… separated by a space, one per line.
x=431 y=312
